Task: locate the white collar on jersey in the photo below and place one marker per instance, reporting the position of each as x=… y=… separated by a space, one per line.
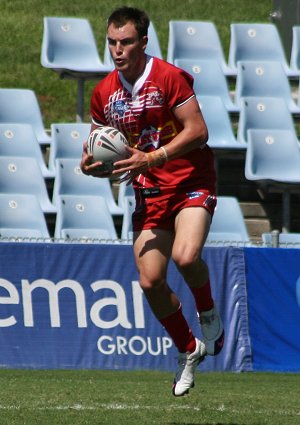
x=133 y=89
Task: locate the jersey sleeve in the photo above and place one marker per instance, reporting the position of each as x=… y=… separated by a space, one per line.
x=179 y=87
x=96 y=107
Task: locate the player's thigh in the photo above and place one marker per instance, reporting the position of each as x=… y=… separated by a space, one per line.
x=191 y=230
x=152 y=250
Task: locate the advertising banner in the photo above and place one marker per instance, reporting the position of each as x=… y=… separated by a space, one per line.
x=80 y=306
x=273 y=283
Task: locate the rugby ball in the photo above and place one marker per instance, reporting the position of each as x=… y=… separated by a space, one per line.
x=108 y=145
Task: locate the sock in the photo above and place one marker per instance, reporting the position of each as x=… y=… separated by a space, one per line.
x=178 y=329
x=203 y=298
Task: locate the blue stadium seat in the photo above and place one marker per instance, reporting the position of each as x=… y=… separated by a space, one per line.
x=129 y=206
x=263 y=113
x=23 y=176
x=209 y=79
x=221 y=135
x=197 y=40
x=263 y=79
x=153 y=47
x=295 y=50
x=21 y=217
x=69 y=180
x=272 y=155
x=124 y=191
x=20 y=140
x=69 y=48
x=21 y=106
x=273 y=161
x=67 y=141
x=256 y=41
x=84 y=217
x=228 y=224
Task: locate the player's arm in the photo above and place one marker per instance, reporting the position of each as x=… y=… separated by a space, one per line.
x=194 y=133
x=87 y=165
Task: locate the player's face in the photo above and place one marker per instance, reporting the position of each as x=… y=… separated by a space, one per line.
x=127 y=50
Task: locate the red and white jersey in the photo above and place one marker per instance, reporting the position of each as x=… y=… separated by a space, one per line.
x=144 y=114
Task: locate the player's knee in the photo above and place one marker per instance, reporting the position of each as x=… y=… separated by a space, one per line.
x=151 y=283
x=185 y=259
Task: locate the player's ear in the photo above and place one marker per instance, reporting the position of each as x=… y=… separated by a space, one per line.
x=144 y=41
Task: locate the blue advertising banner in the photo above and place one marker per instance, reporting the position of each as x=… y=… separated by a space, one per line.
x=80 y=306
x=273 y=284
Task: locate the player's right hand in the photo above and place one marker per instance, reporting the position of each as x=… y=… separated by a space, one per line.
x=91 y=168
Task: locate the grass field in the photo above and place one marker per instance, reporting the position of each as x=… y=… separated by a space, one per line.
x=141 y=398
x=21 y=29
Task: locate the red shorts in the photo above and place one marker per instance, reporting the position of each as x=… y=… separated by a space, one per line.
x=161 y=214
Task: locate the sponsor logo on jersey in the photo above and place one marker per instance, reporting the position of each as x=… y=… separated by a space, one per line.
x=120 y=107
x=194 y=195
x=151 y=136
x=155 y=98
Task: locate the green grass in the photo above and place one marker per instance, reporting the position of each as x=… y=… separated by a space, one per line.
x=21 y=29
x=141 y=398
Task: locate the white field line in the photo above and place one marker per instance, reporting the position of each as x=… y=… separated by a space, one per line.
x=116 y=406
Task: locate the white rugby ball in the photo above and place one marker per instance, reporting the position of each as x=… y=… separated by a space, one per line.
x=107 y=144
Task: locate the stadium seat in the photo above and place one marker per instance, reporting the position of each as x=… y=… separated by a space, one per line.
x=69 y=180
x=228 y=225
x=124 y=191
x=20 y=140
x=273 y=161
x=67 y=141
x=281 y=240
x=209 y=79
x=21 y=106
x=263 y=79
x=21 y=217
x=221 y=135
x=84 y=217
x=23 y=176
x=153 y=47
x=197 y=40
x=256 y=41
x=263 y=113
x=295 y=50
x=69 y=48
x=129 y=206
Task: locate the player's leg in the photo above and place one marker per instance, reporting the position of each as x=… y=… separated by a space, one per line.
x=152 y=249
x=191 y=229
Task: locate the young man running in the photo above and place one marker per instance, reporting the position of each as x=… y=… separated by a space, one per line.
x=172 y=170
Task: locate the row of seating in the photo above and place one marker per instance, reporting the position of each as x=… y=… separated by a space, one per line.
x=69 y=45
x=248 y=41
x=22 y=175
x=87 y=218
x=254 y=79
x=69 y=48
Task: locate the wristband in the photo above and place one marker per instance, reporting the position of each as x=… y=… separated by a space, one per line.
x=157 y=157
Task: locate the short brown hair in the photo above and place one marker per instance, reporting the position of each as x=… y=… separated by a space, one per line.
x=139 y=18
